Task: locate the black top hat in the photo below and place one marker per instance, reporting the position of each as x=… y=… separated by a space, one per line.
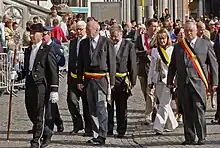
x=37 y=28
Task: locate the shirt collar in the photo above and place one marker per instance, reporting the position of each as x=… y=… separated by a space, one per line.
x=49 y=42
x=193 y=41
x=37 y=45
x=82 y=37
x=96 y=38
x=119 y=43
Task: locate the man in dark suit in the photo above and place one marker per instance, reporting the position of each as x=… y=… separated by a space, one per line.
x=53 y=107
x=40 y=71
x=143 y=46
x=129 y=32
x=126 y=74
x=192 y=81
x=97 y=63
x=201 y=29
x=73 y=94
x=217 y=53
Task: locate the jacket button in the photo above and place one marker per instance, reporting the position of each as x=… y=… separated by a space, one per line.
x=36 y=69
x=35 y=76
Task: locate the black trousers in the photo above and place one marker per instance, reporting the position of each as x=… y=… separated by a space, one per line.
x=55 y=116
x=120 y=98
x=193 y=114
x=35 y=102
x=73 y=97
x=217 y=114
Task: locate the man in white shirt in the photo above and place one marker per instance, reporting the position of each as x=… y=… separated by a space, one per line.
x=63 y=25
x=126 y=74
x=97 y=64
x=40 y=71
x=54 y=15
x=73 y=94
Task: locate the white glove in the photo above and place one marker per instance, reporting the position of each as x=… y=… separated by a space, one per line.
x=14 y=75
x=54 y=97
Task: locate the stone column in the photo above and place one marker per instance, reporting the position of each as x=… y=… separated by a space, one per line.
x=128 y=12
x=1 y=8
x=139 y=12
x=199 y=8
x=149 y=9
x=74 y=3
x=175 y=9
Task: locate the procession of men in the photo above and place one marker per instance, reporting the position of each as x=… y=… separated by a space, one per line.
x=179 y=65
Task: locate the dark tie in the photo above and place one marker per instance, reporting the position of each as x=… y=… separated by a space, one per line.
x=91 y=45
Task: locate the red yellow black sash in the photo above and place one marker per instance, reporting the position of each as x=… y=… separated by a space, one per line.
x=164 y=56
x=192 y=56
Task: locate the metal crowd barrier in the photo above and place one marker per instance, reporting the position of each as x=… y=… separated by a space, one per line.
x=6 y=61
x=4 y=72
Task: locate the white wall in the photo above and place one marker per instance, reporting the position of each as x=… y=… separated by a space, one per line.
x=46 y=4
x=89 y=5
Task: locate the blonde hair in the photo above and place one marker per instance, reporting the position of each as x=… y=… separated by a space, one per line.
x=161 y=31
x=207 y=34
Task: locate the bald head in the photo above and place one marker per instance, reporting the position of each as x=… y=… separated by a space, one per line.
x=92 y=29
x=190 y=30
x=201 y=29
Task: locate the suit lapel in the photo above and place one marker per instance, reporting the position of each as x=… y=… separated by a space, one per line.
x=39 y=55
x=120 y=51
x=98 y=47
x=196 y=45
x=28 y=54
x=75 y=49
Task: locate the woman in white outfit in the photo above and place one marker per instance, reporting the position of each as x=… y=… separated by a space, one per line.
x=158 y=76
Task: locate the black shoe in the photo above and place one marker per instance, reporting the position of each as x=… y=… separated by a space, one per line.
x=120 y=135
x=91 y=140
x=110 y=133
x=201 y=142
x=46 y=141
x=99 y=141
x=214 y=121
x=30 y=131
x=60 y=128
x=189 y=143
x=87 y=134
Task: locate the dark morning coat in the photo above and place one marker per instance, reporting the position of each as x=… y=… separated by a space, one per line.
x=102 y=60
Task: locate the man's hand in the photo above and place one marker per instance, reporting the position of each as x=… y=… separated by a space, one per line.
x=80 y=87
x=171 y=86
x=214 y=88
x=54 y=97
x=151 y=86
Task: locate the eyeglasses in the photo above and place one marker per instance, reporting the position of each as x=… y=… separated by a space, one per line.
x=45 y=32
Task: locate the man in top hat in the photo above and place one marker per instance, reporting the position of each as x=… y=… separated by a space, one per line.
x=56 y=47
x=40 y=70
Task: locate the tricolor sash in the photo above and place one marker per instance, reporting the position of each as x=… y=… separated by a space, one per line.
x=164 y=56
x=192 y=56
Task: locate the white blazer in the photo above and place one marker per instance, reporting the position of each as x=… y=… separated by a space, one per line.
x=153 y=74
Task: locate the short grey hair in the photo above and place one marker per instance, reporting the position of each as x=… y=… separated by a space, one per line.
x=81 y=24
x=116 y=28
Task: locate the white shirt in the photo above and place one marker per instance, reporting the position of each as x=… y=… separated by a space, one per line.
x=95 y=41
x=49 y=42
x=105 y=33
x=78 y=43
x=63 y=26
x=117 y=46
x=153 y=74
x=193 y=42
x=35 y=48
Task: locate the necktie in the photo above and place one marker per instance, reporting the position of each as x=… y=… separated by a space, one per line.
x=91 y=45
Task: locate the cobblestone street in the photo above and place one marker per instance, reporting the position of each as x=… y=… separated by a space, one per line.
x=138 y=135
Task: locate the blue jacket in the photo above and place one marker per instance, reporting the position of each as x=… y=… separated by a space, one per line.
x=59 y=55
